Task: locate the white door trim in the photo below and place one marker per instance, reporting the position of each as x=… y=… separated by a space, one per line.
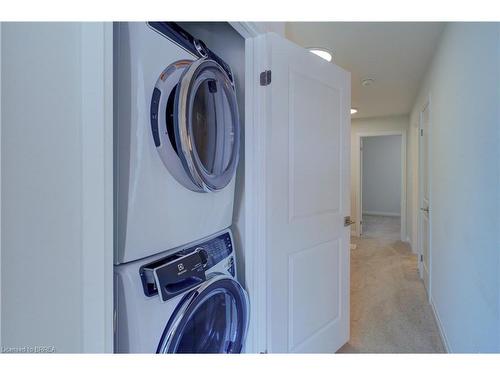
x=254 y=240
x=357 y=175
x=426 y=104
x=414 y=128
x=97 y=186
x=255 y=198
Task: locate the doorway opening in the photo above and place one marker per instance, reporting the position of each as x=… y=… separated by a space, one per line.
x=380 y=189
x=381 y=183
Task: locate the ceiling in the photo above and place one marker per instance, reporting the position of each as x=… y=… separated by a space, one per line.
x=394 y=54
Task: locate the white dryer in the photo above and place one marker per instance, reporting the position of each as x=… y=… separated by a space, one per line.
x=187 y=300
x=176 y=139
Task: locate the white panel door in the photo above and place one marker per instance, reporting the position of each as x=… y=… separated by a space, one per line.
x=424 y=198
x=308 y=177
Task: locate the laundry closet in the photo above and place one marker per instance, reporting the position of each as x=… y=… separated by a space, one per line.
x=177 y=134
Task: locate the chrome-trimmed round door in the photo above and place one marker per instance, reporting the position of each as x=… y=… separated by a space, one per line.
x=210 y=319
x=163 y=123
x=207 y=127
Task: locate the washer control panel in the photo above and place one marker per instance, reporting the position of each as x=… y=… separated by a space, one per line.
x=185 y=269
x=215 y=250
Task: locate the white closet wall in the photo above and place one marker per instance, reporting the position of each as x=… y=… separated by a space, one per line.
x=56 y=173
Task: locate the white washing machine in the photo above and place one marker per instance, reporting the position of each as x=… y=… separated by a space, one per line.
x=187 y=300
x=176 y=139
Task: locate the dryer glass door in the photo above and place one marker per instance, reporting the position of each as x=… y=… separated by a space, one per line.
x=207 y=124
x=211 y=319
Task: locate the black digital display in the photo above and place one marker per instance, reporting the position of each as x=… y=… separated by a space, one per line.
x=217 y=249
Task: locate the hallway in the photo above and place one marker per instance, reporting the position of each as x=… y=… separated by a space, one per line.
x=389 y=308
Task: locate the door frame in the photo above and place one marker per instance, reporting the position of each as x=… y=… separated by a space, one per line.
x=358 y=177
x=426 y=104
x=254 y=231
x=97 y=187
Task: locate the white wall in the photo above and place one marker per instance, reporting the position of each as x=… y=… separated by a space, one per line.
x=56 y=174
x=382 y=175
x=365 y=126
x=463 y=82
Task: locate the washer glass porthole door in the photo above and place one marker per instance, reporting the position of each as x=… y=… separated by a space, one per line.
x=207 y=127
x=212 y=319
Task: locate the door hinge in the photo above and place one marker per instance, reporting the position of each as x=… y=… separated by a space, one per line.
x=421 y=132
x=421 y=257
x=265 y=78
x=348 y=221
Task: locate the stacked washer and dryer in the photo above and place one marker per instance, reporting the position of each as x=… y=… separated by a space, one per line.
x=176 y=151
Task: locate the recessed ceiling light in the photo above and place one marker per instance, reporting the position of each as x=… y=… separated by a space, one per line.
x=367 y=82
x=322 y=52
x=353 y=111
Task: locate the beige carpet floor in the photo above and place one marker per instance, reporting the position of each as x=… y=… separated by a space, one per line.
x=390 y=312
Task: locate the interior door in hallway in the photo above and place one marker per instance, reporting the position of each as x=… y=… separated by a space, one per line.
x=308 y=176
x=424 y=197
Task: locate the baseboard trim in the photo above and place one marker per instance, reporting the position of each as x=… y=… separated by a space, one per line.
x=439 y=324
x=380 y=213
